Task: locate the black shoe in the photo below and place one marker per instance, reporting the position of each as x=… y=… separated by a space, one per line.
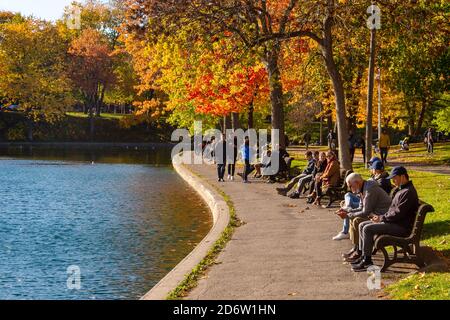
x=355 y=257
x=357 y=261
x=295 y=195
x=282 y=191
x=348 y=254
x=363 y=265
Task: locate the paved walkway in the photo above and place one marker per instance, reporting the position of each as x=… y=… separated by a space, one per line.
x=284 y=251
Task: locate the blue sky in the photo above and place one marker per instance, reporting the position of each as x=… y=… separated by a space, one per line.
x=45 y=9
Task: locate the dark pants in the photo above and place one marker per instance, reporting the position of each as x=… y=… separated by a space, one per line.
x=368 y=230
x=247 y=169
x=231 y=169
x=221 y=170
x=430 y=147
x=384 y=154
x=364 y=155
x=352 y=154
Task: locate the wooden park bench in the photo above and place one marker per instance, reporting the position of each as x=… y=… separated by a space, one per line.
x=337 y=193
x=409 y=247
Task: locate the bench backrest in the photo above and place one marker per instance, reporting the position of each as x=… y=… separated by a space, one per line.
x=344 y=175
x=421 y=214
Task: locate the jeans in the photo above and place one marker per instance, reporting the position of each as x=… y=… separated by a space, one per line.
x=384 y=154
x=430 y=147
x=247 y=169
x=294 y=181
x=352 y=201
x=221 y=170
x=368 y=230
x=302 y=183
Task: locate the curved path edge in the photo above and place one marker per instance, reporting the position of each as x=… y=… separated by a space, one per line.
x=221 y=219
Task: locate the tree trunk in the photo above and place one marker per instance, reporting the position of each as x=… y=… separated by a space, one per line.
x=30 y=125
x=276 y=93
x=227 y=123
x=251 y=121
x=91 y=123
x=338 y=86
x=421 y=118
x=235 y=119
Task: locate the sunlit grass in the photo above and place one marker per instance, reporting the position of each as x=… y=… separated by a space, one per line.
x=110 y=116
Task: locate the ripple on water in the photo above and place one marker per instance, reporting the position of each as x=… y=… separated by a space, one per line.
x=124 y=225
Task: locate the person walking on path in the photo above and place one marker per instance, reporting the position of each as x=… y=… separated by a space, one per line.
x=232 y=158
x=245 y=151
x=331 y=140
x=384 y=144
x=430 y=141
x=220 y=151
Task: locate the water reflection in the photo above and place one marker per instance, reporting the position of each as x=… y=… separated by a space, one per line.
x=125 y=225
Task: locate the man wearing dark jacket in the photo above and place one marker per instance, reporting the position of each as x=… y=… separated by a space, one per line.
x=306 y=172
x=398 y=221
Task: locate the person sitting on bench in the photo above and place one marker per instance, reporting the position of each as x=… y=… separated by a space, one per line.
x=303 y=177
x=381 y=176
x=319 y=169
x=397 y=222
x=374 y=201
x=329 y=179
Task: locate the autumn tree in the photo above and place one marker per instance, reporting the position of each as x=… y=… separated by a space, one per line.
x=91 y=70
x=263 y=25
x=32 y=69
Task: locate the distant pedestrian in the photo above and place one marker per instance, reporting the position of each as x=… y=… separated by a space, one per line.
x=331 y=140
x=246 y=157
x=430 y=141
x=384 y=143
x=232 y=158
x=220 y=151
x=307 y=140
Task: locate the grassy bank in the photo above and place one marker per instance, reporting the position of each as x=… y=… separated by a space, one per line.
x=191 y=280
x=75 y=127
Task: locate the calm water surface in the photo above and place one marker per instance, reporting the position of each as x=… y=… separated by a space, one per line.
x=123 y=217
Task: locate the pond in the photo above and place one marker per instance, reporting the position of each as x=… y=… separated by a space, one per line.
x=120 y=217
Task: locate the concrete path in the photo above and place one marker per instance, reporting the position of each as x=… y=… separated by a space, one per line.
x=284 y=250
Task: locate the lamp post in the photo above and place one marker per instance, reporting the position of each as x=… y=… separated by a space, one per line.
x=379 y=103
x=373 y=23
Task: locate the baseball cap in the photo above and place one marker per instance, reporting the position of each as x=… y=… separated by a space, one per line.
x=373 y=160
x=377 y=165
x=397 y=171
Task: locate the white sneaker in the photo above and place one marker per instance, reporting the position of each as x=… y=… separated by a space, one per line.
x=229 y=177
x=341 y=236
x=232 y=178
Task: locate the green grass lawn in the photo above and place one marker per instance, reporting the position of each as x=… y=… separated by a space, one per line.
x=110 y=116
x=433 y=189
x=418 y=154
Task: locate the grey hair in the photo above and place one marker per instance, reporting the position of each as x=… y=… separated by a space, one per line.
x=353 y=178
